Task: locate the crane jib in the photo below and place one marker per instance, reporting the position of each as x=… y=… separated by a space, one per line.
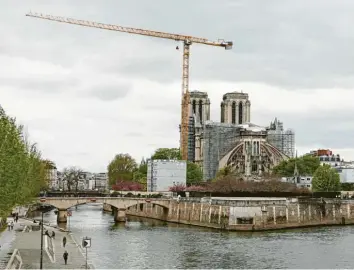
x=132 y=30
x=187 y=40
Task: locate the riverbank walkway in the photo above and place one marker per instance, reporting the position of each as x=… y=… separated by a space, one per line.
x=29 y=246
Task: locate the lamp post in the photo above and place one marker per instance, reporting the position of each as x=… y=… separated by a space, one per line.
x=42 y=200
x=41 y=261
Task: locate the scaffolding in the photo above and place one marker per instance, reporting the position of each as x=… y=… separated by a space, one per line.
x=191 y=139
x=218 y=140
x=283 y=140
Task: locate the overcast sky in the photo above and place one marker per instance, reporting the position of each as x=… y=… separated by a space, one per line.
x=87 y=94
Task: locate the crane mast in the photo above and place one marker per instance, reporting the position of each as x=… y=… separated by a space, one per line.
x=187 y=42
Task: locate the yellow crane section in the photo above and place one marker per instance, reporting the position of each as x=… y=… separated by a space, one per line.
x=187 y=41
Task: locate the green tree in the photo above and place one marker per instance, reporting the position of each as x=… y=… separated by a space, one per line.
x=22 y=173
x=307 y=165
x=347 y=186
x=194 y=174
x=224 y=172
x=140 y=175
x=167 y=153
x=122 y=168
x=326 y=178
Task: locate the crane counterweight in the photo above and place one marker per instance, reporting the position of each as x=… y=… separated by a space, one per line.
x=187 y=42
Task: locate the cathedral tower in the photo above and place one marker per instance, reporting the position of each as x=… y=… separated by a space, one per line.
x=199 y=111
x=235 y=108
x=199 y=106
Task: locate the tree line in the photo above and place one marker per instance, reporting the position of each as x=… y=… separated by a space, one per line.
x=324 y=177
x=22 y=170
x=125 y=173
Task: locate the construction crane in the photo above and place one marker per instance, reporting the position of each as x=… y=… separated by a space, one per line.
x=187 y=42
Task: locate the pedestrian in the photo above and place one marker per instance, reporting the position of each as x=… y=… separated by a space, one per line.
x=65 y=256
x=64 y=241
x=53 y=235
x=47 y=233
x=12 y=225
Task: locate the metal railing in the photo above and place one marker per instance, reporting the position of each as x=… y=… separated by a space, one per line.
x=50 y=248
x=15 y=261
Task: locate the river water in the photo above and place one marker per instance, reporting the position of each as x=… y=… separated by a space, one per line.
x=145 y=243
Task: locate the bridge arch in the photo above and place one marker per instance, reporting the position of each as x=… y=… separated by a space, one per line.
x=118 y=204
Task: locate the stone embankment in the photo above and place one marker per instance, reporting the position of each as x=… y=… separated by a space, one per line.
x=27 y=246
x=250 y=214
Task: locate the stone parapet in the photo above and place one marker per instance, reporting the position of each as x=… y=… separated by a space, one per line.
x=263 y=215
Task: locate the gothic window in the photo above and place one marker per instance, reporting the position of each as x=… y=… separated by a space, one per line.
x=222 y=113
x=201 y=110
x=240 y=113
x=254 y=166
x=194 y=105
x=233 y=112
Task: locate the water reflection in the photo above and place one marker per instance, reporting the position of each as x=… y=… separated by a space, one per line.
x=144 y=243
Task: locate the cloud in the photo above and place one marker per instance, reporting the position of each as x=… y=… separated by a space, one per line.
x=87 y=94
x=110 y=92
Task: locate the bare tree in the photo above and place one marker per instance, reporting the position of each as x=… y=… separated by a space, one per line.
x=71 y=176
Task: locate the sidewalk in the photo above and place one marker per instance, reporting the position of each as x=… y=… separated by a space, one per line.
x=6 y=239
x=29 y=244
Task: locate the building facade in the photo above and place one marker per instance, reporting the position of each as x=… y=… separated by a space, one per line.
x=163 y=174
x=235 y=141
x=53 y=178
x=100 y=181
x=346 y=174
x=51 y=173
x=252 y=155
x=299 y=181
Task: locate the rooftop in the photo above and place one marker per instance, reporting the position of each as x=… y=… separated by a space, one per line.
x=235 y=95
x=252 y=127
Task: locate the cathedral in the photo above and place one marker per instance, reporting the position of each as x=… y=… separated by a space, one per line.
x=248 y=149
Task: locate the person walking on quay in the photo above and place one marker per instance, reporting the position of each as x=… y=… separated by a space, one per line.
x=53 y=235
x=65 y=256
x=12 y=225
x=64 y=241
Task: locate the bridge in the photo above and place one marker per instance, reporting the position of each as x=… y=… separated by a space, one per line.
x=119 y=205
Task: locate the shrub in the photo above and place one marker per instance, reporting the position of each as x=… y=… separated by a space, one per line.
x=177 y=188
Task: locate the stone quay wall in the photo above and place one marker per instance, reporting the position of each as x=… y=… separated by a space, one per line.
x=251 y=214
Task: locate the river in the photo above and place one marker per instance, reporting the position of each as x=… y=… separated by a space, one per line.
x=146 y=243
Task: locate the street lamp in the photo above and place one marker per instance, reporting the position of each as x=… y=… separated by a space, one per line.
x=42 y=209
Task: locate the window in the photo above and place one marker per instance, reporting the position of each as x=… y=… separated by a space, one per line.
x=194 y=106
x=201 y=110
x=240 y=113
x=233 y=113
x=222 y=113
x=254 y=166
